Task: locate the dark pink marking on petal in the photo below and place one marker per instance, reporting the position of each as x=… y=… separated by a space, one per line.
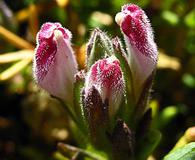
x=47 y=47
x=46 y=31
x=107 y=74
x=137 y=28
x=45 y=55
x=131 y=8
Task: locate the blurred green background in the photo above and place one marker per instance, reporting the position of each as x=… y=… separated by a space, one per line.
x=31 y=123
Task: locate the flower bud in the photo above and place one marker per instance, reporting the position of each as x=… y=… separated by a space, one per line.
x=54 y=62
x=142 y=50
x=107 y=77
x=98 y=47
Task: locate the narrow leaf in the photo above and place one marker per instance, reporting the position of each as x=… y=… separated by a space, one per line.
x=129 y=97
x=78 y=85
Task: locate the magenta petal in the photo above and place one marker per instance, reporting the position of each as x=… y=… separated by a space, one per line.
x=45 y=54
x=107 y=77
x=47 y=30
x=142 y=50
x=137 y=28
x=107 y=73
x=54 y=63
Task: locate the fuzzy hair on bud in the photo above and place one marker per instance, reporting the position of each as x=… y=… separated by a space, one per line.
x=54 y=64
x=139 y=39
x=107 y=77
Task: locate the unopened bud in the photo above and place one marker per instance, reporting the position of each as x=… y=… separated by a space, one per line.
x=98 y=47
x=142 y=50
x=54 y=63
x=107 y=77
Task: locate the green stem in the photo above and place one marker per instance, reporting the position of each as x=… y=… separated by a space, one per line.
x=72 y=115
x=63 y=148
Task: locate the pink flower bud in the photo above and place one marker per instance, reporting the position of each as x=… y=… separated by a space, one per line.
x=107 y=77
x=54 y=62
x=142 y=50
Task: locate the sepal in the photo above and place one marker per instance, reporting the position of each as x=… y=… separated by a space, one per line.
x=99 y=46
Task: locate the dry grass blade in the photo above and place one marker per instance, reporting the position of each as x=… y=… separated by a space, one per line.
x=15 y=56
x=33 y=20
x=169 y=62
x=22 y=15
x=14 y=39
x=14 y=69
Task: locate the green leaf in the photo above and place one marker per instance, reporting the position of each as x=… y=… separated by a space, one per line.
x=141 y=105
x=78 y=86
x=129 y=97
x=66 y=149
x=101 y=155
x=147 y=144
x=184 y=153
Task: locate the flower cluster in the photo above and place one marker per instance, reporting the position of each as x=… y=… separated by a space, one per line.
x=116 y=81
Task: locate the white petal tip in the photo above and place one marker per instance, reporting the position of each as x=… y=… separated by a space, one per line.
x=119 y=18
x=57 y=34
